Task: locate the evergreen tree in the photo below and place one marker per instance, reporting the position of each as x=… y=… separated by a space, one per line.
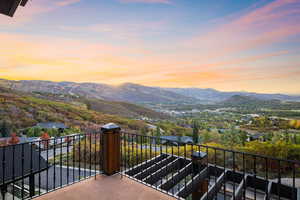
x=158 y=134
x=152 y=132
x=143 y=131
x=195 y=132
x=5 y=129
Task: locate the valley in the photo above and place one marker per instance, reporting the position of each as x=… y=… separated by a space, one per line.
x=233 y=120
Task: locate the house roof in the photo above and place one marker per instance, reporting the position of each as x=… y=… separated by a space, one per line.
x=257 y=135
x=51 y=125
x=14 y=169
x=9 y=7
x=177 y=139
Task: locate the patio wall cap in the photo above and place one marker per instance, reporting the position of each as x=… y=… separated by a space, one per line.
x=110 y=127
x=199 y=155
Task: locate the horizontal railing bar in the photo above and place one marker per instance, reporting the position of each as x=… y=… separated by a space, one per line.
x=172 y=181
x=145 y=164
x=153 y=178
x=143 y=174
x=22 y=177
x=52 y=139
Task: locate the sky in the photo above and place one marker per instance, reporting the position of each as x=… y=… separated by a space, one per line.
x=229 y=45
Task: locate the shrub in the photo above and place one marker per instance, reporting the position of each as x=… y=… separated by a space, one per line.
x=87 y=150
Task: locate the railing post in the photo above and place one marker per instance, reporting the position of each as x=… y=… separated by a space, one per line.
x=31 y=186
x=199 y=159
x=3 y=191
x=110 y=148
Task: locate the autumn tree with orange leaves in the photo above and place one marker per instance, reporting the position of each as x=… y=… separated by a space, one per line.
x=45 y=139
x=14 y=139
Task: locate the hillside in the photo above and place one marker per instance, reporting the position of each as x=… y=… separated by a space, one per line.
x=215 y=96
x=128 y=92
x=239 y=100
x=255 y=103
x=23 y=110
x=123 y=109
x=247 y=105
x=108 y=107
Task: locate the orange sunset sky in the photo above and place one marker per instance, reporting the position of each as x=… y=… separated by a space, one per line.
x=230 y=45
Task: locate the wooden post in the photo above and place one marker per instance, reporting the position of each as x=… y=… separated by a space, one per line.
x=199 y=159
x=110 y=148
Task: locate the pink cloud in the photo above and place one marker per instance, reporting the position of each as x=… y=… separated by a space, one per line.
x=66 y=2
x=131 y=32
x=146 y=1
x=263 y=26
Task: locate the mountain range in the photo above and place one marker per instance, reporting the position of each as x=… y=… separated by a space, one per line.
x=215 y=96
x=138 y=94
x=127 y=92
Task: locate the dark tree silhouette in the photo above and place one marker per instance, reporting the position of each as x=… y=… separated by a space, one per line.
x=195 y=132
x=5 y=129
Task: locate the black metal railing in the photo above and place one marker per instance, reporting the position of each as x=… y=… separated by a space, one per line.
x=184 y=171
x=188 y=171
x=31 y=169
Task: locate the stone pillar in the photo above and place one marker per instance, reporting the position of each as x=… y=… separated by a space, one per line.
x=110 y=148
x=199 y=160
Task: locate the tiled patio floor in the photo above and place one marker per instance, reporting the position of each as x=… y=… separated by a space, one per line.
x=106 y=188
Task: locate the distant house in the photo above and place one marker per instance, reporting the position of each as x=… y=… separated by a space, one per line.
x=175 y=140
x=253 y=115
x=153 y=127
x=187 y=126
x=257 y=136
x=221 y=131
x=212 y=129
x=52 y=125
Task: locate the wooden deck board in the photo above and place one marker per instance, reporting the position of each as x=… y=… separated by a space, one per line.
x=106 y=188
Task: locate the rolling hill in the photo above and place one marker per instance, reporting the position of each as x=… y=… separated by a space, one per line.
x=127 y=92
x=123 y=109
x=24 y=110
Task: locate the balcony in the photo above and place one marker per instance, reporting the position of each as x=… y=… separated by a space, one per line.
x=111 y=164
x=106 y=188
